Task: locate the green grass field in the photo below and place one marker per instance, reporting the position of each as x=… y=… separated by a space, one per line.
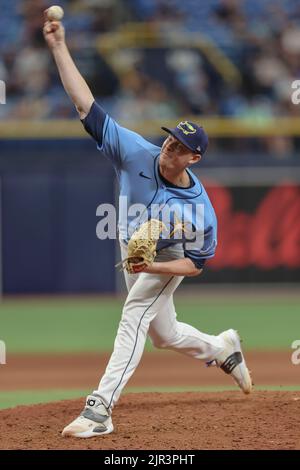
x=31 y=397
x=45 y=325
x=66 y=325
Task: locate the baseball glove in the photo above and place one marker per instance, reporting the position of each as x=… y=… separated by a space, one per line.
x=142 y=245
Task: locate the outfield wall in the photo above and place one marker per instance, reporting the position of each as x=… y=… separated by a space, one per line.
x=50 y=190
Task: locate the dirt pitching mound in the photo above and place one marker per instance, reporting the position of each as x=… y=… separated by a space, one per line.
x=263 y=420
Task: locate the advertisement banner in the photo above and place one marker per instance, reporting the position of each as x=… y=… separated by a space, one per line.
x=258 y=233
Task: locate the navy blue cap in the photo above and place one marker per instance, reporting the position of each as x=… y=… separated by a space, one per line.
x=191 y=135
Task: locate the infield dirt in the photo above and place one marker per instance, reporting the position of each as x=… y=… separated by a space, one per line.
x=188 y=420
x=220 y=420
x=157 y=369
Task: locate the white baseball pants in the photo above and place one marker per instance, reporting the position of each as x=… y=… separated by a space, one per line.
x=149 y=309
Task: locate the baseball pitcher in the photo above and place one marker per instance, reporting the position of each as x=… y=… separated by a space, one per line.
x=181 y=240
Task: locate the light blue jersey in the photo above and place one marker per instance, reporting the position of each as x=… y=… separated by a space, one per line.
x=136 y=162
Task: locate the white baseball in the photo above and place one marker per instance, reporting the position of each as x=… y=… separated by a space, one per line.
x=55 y=13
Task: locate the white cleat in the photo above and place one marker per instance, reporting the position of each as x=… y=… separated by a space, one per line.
x=231 y=360
x=94 y=420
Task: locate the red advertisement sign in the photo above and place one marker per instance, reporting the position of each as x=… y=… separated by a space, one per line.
x=257 y=227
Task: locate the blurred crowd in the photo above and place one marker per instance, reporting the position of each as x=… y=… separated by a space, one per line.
x=261 y=38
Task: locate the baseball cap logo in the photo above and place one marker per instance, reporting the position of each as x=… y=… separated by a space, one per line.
x=186 y=128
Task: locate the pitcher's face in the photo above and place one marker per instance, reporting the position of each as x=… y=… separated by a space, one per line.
x=175 y=155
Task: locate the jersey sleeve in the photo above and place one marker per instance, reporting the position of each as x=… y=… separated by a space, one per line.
x=117 y=143
x=94 y=122
x=206 y=250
